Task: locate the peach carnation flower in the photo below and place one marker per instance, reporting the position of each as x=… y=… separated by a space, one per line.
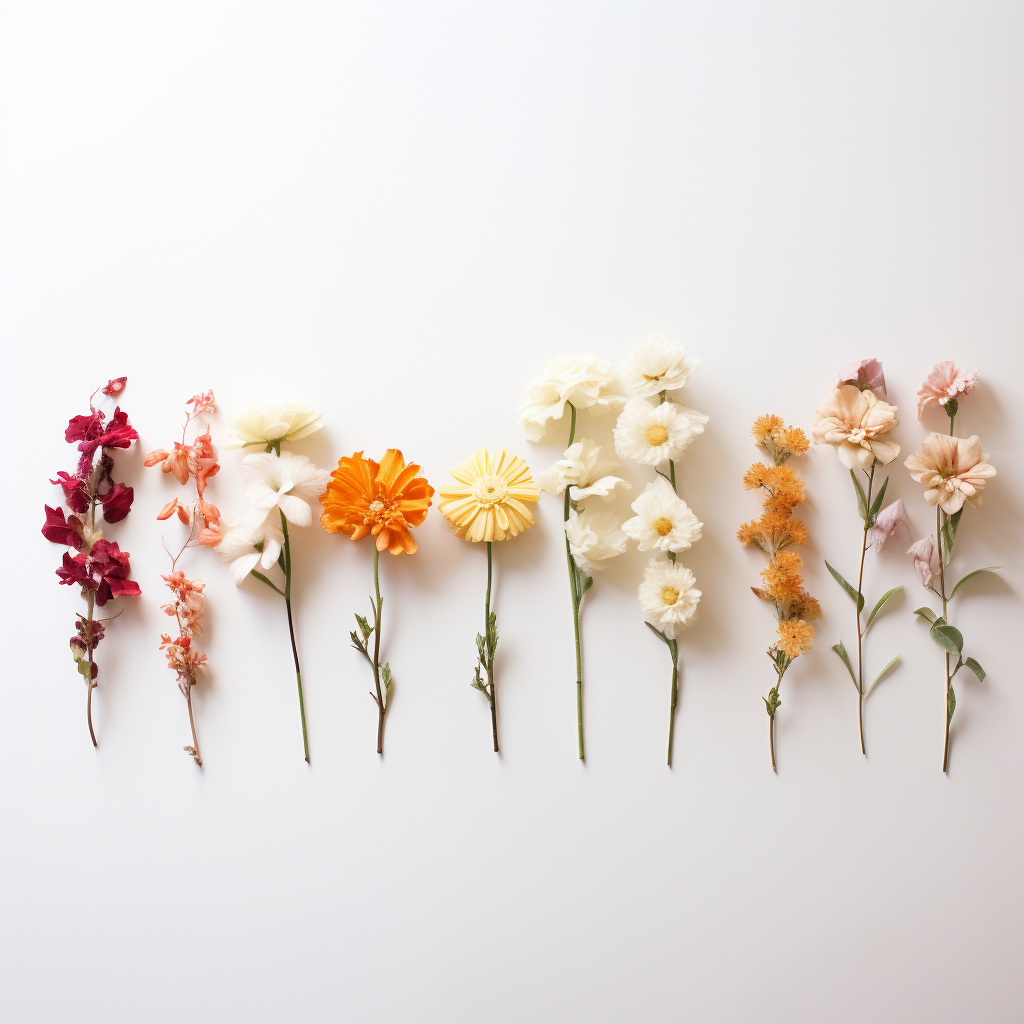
x=856 y=423
x=946 y=381
x=952 y=470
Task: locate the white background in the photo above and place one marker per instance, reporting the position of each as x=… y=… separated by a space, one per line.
x=400 y=212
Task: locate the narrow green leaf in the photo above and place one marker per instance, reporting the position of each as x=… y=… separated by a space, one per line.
x=925 y=613
x=881 y=601
x=976 y=669
x=880 y=674
x=949 y=638
x=840 y=649
x=661 y=636
x=857 y=599
x=950 y=705
x=949 y=528
x=986 y=568
x=876 y=505
x=862 y=501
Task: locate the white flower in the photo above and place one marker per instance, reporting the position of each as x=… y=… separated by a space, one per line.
x=663 y=521
x=246 y=544
x=668 y=597
x=585 y=472
x=257 y=427
x=584 y=381
x=282 y=481
x=652 y=434
x=594 y=538
x=657 y=365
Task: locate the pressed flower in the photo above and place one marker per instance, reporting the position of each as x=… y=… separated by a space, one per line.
x=657 y=364
x=856 y=423
x=952 y=470
x=267 y=426
x=245 y=544
x=926 y=560
x=775 y=533
x=595 y=538
x=945 y=384
x=889 y=520
x=663 y=521
x=652 y=435
x=864 y=374
x=383 y=500
x=99 y=567
x=488 y=504
x=668 y=597
x=585 y=471
x=282 y=482
x=582 y=382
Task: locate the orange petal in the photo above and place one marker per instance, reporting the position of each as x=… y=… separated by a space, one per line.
x=155 y=457
x=168 y=509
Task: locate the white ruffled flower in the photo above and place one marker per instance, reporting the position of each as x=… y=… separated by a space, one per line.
x=657 y=364
x=584 y=381
x=594 y=538
x=653 y=434
x=663 y=521
x=669 y=597
x=246 y=544
x=282 y=481
x=585 y=472
x=264 y=424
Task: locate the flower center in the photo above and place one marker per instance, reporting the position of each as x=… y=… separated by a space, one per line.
x=376 y=506
x=657 y=376
x=663 y=526
x=856 y=436
x=669 y=595
x=656 y=435
x=490 y=491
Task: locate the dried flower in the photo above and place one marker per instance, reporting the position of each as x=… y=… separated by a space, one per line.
x=663 y=521
x=657 y=364
x=944 y=384
x=952 y=469
x=582 y=382
x=585 y=471
x=889 y=520
x=267 y=426
x=856 y=423
x=668 y=597
x=864 y=374
x=926 y=560
x=487 y=503
x=595 y=538
x=652 y=435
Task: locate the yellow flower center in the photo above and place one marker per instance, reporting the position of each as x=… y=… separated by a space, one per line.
x=657 y=376
x=669 y=595
x=490 y=491
x=656 y=435
x=663 y=526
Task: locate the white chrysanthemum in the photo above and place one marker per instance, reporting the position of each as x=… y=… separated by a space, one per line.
x=594 y=538
x=663 y=521
x=657 y=364
x=263 y=424
x=584 y=381
x=669 y=597
x=585 y=471
x=245 y=544
x=282 y=481
x=653 y=434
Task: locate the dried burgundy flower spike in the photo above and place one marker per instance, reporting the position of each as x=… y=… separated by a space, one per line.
x=99 y=566
x=196 y=460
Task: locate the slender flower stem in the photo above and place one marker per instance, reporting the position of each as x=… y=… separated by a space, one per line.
x=860 y=601
x=291 y=630
x=574 y=585
x=90 y=685
x=674 y=651
x=381 y=704
x=192 y=722
x=771 y=741
x=489 y=651
x=942 y=587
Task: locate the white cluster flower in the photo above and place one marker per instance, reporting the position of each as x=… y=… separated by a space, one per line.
x=595 y=537
x=584 y=382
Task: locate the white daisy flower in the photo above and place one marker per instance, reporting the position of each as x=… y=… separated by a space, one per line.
x=265 y=424
x=653 y=434
x=282 y=481
x=246 y=544
x=668 y=597
x=594 y=538
x=585 y=471
x=584 y=381
x=657 y=364
x=663 y=521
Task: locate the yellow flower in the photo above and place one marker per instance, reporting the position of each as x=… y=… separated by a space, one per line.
x=487 y=502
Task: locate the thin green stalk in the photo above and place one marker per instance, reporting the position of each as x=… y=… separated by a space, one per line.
x=489 y=650
x=942 y=588
x=674 y=651
x=381 y=704
x=574 y=585
x=287 y=551
x=860 y=633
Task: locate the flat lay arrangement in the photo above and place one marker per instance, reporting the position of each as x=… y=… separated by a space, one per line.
x=489 y=502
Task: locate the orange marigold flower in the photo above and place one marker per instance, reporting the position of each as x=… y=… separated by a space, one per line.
x=795 y=637
x=383 y=499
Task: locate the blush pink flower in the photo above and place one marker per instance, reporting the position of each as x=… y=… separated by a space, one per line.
x=946 y=381
x=952 y=469
x=926 y=559
x=889 y=520
x=856 y=423
x=865 y=375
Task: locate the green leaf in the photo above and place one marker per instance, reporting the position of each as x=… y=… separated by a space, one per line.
x=925 y=613
x=949 y=528
x=987 y=568
x=949 y=638
x=950 y=705
x=661 y=636
x=976 y=669
x=588 y=582
x=878 y=607
x=880 y=674
x=385 y=682
x=840 y=649
x=876 y=505
x=364 y=627
x=862 y=501
x=772 y=702
x=857 y=599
